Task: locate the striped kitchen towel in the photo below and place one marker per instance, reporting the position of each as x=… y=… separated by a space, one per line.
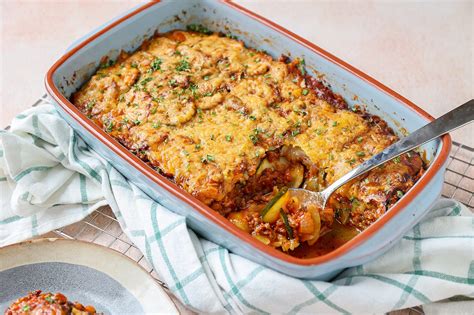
x=50 y=178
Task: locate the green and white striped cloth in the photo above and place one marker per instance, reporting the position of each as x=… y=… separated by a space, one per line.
x=49 y=178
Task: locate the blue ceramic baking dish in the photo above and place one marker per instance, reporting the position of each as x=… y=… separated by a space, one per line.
x=129 y=30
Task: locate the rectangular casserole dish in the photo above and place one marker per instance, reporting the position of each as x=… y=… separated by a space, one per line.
x=127 y=33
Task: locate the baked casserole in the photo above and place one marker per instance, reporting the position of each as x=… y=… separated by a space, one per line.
x=235 y=127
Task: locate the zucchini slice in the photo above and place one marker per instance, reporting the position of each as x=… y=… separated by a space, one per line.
x=272 y=210
x=288 y=228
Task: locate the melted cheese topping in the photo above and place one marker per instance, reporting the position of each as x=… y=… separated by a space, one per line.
x=204 y=110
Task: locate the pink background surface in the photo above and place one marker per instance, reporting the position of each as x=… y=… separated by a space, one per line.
x=423 y=50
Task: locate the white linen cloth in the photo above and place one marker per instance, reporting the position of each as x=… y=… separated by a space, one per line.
x=49 y=178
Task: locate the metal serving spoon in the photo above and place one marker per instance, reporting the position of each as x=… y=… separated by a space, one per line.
x=454 y=119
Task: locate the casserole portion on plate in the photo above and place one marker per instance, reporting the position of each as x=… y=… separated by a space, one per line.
x=37 y=302
x=235 y=127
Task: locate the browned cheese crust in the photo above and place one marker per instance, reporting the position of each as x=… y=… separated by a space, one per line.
x=205 y=111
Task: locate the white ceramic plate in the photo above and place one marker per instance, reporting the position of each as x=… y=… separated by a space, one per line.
x=84 y=272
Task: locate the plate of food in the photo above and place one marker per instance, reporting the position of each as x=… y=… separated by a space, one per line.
x=73 y=277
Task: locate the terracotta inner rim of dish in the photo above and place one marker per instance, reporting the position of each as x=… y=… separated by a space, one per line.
x=433 y=169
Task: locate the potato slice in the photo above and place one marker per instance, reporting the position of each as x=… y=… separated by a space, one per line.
x=317 y=223
x=239 y=220
x=271 y=212
x=297 y=175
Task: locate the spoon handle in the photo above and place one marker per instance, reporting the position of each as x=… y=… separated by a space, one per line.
x=454 y=119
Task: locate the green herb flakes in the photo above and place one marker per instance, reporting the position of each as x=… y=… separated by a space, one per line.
x=183 y=65
x=156 y=64
x=254 y=139
x=199 y=28
x=301 y=67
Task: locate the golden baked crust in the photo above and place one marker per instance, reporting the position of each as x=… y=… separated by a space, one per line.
x=204 y=110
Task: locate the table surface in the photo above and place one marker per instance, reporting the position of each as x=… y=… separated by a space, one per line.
x=422 y=50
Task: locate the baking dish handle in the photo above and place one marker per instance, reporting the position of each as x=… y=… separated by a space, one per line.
x=98 y=29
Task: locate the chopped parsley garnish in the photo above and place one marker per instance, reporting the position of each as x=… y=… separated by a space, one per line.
x=110 y=126
x=251 y=117
x=197 y=146
x=305 y=92
x=134 y=65
x=183 y=65
x=207 y=158
x=206 y=77
x=231 y=36
x=213 y=137
x=156 y=64
x=351 y=161
x=26 y=308
x=193 y=87
x=319 y=132
x=301 y=67
x=90 y=105
x=208 y=94
x=254 y=139
x=228 y=138
x=360 y=139
x=172 y=83
x=186 y=153
x=198 y=28
x=145 y=81
x=137 y=121
x=399 y=193
x=199 y=112
x=156 y=125
x=153 y=110
x=295 y=132
x=334 y=123
x=397 y=159
x=360 y=154
x=125 y=120
x=106 y=64
x=49 y=299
